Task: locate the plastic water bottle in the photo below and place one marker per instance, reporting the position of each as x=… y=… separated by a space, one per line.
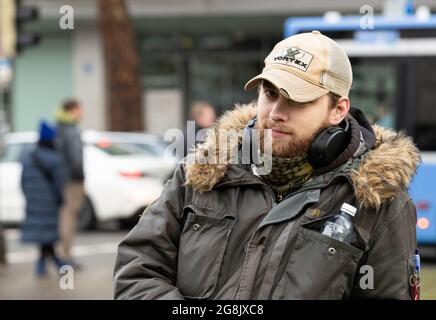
x=340 y=227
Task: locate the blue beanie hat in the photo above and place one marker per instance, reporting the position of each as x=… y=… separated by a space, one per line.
x=46 y=132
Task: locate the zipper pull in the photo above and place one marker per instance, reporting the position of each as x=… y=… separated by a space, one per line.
x=279 y=196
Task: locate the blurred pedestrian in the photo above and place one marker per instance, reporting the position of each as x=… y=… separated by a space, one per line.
x=42 y=182
x=203 y=115
x=71 y=147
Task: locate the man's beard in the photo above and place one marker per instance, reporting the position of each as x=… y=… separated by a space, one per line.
x=290 y=146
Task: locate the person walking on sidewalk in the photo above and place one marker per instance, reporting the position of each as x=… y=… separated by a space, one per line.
x=71 y=147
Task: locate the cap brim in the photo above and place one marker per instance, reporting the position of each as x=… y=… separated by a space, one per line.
x=296 y=88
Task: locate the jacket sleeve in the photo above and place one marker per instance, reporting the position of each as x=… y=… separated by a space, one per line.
x=73 y=149
x=390 y=255
x=146 y=265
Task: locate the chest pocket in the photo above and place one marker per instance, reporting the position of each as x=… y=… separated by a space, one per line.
x=202 y=245
x=319 y=267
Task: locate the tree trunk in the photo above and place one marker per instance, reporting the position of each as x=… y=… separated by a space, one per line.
x=124 y=94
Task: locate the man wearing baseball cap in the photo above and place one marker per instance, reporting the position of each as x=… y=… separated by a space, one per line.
x=232 y=230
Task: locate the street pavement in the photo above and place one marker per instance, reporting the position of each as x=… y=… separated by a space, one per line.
x=95 y=252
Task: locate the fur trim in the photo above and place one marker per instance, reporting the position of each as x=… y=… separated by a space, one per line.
x=384 y=172
x=203 y=177
x=387 y=169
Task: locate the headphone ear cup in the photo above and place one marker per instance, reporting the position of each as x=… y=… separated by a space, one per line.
x=249 y=144
x=326 y=146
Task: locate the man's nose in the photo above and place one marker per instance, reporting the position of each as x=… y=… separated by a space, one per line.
x=279 y=111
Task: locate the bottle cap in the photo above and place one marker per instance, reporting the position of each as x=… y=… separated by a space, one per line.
x=348 y=208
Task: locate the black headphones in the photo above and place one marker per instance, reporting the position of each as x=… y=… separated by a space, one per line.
x=249 y=149
x=327 y=145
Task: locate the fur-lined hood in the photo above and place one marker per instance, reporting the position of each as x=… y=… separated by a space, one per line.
x=385 y=171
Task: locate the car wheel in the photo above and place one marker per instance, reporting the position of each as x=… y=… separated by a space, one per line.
x=86 y=219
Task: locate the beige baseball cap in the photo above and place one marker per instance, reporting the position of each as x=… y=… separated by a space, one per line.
x=305 y=67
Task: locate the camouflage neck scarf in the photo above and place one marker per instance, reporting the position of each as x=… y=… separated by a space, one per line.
x=288 y=172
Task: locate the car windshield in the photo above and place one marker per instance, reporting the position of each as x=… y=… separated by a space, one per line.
x=116 y=148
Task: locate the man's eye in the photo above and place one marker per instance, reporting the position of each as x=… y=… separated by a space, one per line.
x=270 y=93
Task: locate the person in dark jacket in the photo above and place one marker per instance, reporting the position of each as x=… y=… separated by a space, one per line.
x=233 y=224
x=42 y=182
x=71 y=146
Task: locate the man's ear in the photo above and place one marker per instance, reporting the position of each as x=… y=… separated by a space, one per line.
x=339 y=112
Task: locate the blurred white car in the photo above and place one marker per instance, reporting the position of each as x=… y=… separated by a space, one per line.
x=124 y=173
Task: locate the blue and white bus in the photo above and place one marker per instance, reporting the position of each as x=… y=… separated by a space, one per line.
x=394 y=67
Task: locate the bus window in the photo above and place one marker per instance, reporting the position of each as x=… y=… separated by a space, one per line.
x=374 y=90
